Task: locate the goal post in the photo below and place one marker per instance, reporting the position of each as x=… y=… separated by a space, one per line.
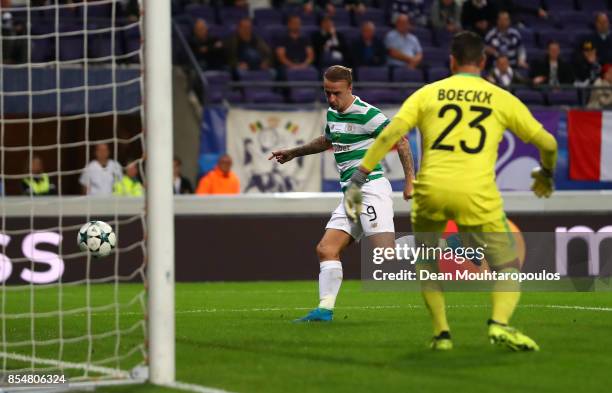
x=160 y=208
x=75 y=76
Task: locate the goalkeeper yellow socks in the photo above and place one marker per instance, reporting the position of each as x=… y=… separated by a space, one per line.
x=436 y=305
x=504 y=304
x=330 y=279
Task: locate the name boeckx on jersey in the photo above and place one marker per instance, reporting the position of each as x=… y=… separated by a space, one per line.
x=481 y=97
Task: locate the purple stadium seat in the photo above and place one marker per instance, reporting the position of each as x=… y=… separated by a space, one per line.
x=529 y=38
x=381 y=32
x=273 y=33
x=199 y=11
x=351 y=34
x=373 y=74
x=99 y=11
x=99 y=44
x=563 y=37
x=437 y=73
x=402 y=74
x=218 y=89
x=563 y=97
x=593 y=5
x=132 y=43
x=435 y=56
x=220 y=31
x=43 y=48
x=303 y=94
x=442 y=38
x=530 y=97
x=565 y=4
x=342 y=17
x=375 y=15
x=259 y=94
x=268 y=16
x=573 y=19
x=424 y=36
x=230 y=16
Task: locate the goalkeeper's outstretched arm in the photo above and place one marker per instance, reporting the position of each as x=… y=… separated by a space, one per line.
x=317 y=145
x=396 y=129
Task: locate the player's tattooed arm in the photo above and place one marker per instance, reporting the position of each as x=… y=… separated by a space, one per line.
x=405 y=156
x=317 y=145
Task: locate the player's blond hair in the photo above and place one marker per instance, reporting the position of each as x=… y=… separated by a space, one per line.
x=337 y=73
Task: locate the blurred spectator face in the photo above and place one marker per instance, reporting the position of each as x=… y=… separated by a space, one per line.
x=402 y=24
x=589 y=52
x=339 y=94
x=607 y=73
x=503 y=21
x=554 y=50
x=225 y=164
x=200 y=30
x=102 y=152
x=447 y=3
x=131 y=170
x=479 y=3
x=294 y=24
x=176 y=168
x=367 y=31
x=327 y=25
x=37 y=165
x=502 y=63
x=245 y=29
x=602 y=24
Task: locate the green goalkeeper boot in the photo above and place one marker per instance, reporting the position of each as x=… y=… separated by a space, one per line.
x=509 y=337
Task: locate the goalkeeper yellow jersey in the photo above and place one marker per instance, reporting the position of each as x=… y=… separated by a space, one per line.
x=462 y=120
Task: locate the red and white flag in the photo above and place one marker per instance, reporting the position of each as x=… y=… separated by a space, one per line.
x=590 y=145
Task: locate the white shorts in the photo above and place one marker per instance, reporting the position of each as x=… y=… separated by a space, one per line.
x=376 y=213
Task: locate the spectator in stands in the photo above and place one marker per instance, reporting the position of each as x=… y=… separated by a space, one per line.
x=601 y=96
x=506 y=40
x=403 y=48
x=329 y=6
x=38 y=183
x=601 y=39
x=504 y=75
x=478 y=15
x=100 y=174
x=415 y=9
x=245 y=50
x=552 y=70
x=221 y=180
x=130 y=184
x=207 y=49
x=330 y=46
x=446 y=15
x=180 y=185
x=369 y=50
x=586 y=67
x=295 y=49
x=14 y=50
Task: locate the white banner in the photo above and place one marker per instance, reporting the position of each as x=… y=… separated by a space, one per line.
x=251 y=137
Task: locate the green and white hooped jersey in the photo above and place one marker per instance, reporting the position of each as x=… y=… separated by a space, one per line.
x=352 y=132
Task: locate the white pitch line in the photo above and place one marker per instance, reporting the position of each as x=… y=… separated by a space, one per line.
x=190 y=387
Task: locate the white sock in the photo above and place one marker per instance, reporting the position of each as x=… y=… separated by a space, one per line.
x=330 y=280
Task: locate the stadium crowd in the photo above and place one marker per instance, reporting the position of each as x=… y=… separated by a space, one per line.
x=530 y=43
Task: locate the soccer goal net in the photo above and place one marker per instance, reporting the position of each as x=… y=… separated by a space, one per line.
x=72 y=123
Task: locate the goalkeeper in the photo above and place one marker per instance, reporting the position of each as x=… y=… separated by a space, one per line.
x=462 y=119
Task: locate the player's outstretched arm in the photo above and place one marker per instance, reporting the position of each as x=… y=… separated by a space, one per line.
x=317 y=145
x=543 y=181
x=405 y=155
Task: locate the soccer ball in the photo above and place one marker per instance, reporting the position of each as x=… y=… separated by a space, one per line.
x=97 y=237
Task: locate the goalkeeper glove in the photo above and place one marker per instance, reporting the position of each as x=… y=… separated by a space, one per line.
x=353 y=197
x=543 y=182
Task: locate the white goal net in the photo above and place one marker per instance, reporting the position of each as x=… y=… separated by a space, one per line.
x=71 y=91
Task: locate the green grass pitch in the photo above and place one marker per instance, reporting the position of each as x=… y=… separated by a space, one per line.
x=239 y=337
